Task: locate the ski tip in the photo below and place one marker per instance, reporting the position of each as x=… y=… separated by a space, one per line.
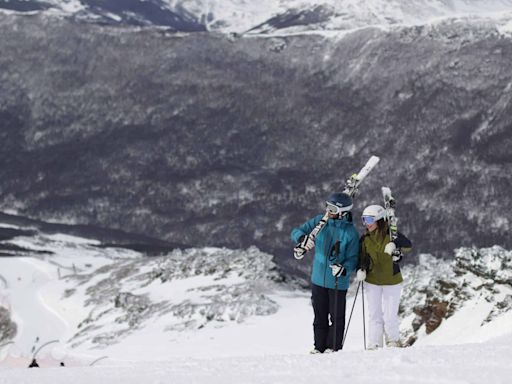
x=370 y=164
x=372 y=161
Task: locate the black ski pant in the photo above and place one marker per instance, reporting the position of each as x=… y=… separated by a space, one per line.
x=323 y=300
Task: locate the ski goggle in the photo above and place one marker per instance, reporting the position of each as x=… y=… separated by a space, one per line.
x=332 y=209
x=368 y=220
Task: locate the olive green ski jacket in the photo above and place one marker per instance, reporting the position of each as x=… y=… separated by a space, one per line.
x=379 y=266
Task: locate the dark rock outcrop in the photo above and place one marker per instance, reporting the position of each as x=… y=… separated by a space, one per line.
x=436 y=289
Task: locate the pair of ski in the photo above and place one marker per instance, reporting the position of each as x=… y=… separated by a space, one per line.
x=351 y=188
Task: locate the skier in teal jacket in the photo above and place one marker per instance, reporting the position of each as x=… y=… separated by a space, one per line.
x=336 y=257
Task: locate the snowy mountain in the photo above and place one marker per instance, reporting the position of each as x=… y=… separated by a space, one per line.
x=266 y=16
x=213 y=140
x=136 y=142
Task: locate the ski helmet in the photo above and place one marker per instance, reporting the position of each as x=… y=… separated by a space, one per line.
x=340 y=202
x=373 y=213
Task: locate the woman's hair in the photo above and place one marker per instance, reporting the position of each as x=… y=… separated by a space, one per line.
x=382 y=227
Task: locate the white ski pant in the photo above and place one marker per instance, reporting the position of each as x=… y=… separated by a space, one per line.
x=383 y=302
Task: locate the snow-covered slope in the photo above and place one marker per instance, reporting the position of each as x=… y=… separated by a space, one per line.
x=89 y=297
x=220 y=311
x=262 y=16
x=469 y=364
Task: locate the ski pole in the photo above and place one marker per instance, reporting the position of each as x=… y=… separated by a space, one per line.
x=350 y=318
x=98 y=359
x=335 y=251
x=42 y=346
x=335 y=320
x=364 y=324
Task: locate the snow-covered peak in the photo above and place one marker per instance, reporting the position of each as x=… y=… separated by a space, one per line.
x=332 y=15
x=265 y=16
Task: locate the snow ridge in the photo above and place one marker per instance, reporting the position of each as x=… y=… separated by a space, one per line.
x=265 y=16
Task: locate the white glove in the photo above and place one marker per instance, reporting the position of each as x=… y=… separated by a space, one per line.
x=390 y=248
x=337 y=270
x=397 y=258
x=306 y=244
x=361 y=275
x=298 y=252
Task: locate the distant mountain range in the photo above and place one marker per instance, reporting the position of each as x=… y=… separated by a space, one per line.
x=265 y=16
x=232 y=140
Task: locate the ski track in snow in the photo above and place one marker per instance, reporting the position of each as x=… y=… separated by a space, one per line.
x=24 y=282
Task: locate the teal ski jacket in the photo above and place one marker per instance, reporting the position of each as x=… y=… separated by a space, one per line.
x=348 y=255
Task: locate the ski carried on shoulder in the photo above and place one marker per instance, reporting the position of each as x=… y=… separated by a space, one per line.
x=352 y=184
x=351 y=188
x=389 y=206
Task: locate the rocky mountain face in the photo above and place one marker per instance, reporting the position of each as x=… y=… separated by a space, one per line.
x=435 y=289
x=208 y=139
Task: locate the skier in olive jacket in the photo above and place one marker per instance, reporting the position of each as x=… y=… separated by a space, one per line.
x=336 y=257
x=382 y=276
